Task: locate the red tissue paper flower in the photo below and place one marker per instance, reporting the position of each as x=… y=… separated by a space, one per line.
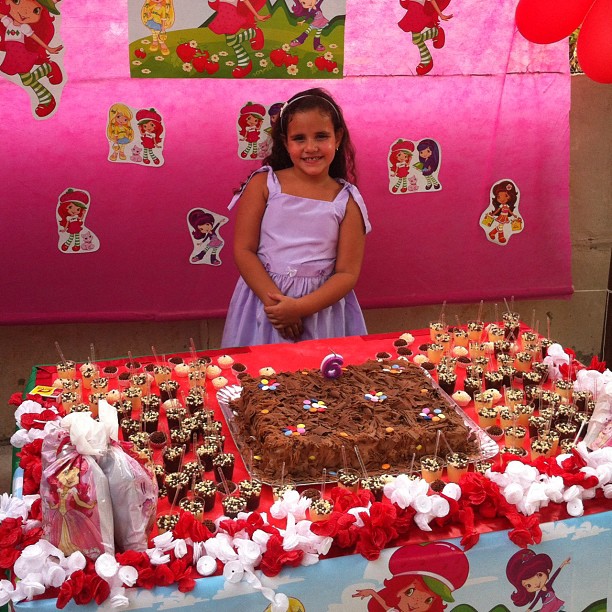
x=13 y=539
x=276 y=557
x=16 y=399
x=377 y=531
x=30 y=462
x=595 y=364
x=526 y=530
x=33 y=420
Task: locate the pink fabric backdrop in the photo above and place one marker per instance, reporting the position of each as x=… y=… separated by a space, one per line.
x=500 y=110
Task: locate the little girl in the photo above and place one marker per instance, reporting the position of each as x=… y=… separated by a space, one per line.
x=151 y=129
x=250 y=122
x=300 y=232
x=529 y=574
x=422 y=20
x=71 y=211
x=205 y=231
x=26 y=28
x=504 y=199
x=236 y=20
x=399 y=162
x=118 y=130
x=429 y=160
x=310 y=9
x=158 y=16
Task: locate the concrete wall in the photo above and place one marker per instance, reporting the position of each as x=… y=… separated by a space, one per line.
x=577 y=322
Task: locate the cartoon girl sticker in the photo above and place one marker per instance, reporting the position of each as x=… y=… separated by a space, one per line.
x=151 y=128
x=236 y=20
x=204 y=226
x=501 y=219
x=423 y=578
x=400 y=156
x=529 y=574
x=249 y=124
x=429 y=162
x=26 y=29
x=422 y=20
x=158 y=16
x=70 y=526
x=71 y=211
x=119 y=130
x=310 y=9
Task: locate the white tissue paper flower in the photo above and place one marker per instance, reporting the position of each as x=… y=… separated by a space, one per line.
x=291 y=503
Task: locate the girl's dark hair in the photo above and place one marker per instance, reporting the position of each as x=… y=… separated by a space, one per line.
x=510 y=188
x=343 y=164
x=199 y=217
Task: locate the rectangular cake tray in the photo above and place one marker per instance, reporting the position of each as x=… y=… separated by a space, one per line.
x=488 y=447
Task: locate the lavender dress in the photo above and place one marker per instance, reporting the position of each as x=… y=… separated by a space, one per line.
x=297 y=246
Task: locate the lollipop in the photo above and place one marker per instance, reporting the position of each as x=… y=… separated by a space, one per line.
x=331 y=366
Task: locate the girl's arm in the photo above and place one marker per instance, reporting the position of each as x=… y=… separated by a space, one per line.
x=252 y=206
x=440 y=13
x=363 y=593
x=351 y=244
x=45 y=46
x=255 y=13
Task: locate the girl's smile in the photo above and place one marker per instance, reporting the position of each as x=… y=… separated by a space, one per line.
x=312 y=142
x=25 y=11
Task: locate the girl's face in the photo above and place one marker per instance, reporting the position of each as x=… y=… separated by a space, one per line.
x=24 y=11
x=121 y=119
x=148 y=127
x=503 y=197
x=205 y=228
x=402 y=156
x=535 y=583
x=311 y=142
x=308 y=4
x=72 y=209
x=426 y=153
x=252 y=120
x=415 y=598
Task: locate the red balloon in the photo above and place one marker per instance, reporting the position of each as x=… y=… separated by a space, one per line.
x=595 y=42
x=548 y=21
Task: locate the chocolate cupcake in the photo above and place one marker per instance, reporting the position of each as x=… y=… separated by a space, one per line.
x=251 y=491
x=233 y=504
x=225 y=461
x=167 y=522
x=205 y=491
x=177 y=485
x=171 y=457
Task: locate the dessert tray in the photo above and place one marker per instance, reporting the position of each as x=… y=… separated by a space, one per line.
x=488 y=447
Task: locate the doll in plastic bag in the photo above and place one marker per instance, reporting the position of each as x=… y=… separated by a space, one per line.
x=76 y=504
x=133 y=491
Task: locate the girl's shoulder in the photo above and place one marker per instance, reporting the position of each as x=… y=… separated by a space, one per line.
x=352 y=192
x=262 y=179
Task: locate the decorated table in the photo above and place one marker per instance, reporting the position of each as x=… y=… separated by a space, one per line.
x=476 y=544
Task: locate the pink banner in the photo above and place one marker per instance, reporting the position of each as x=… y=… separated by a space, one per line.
x=496 y=113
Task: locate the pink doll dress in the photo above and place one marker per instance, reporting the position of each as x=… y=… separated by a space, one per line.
x=297 y=246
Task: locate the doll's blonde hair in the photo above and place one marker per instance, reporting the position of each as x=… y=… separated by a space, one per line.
x=113 y=111
x=145 y=14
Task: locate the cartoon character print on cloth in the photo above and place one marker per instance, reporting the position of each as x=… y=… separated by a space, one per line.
x=501 y=219
x=414 y=166
x=422 y=21
x=74 y=237
x=204 y=228
x=151 y=127
x=28 y=42
x=134 y=135
x=423 y=578
x=158 y=16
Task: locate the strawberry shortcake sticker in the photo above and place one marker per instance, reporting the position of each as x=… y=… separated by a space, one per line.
x=74 y=236
x=501 y=219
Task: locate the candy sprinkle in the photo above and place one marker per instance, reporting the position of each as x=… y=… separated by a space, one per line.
x=265 y=411
x=389 y=430
x=344 y=434
x=385 y=466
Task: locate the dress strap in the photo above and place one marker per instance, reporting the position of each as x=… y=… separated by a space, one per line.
x=273 y=184
x=352 y=190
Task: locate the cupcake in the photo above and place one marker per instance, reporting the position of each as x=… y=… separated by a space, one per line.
x=224 y=461
x=495 y=432
x=171 y=457
x=194 y=506
x=267 y=372
x=205 y=491
x=113 y=396
x=167 y=522
x=181 y=370
x=238 y=369
x=158 y=439
x=175 y=361
x=456 y=466
x=219 y=382
x=123 y=380
x=212 y=371
x=251 y=491
x=233 y=504
x=225 y=362
x=110 y=371
x=177 y=485
x=462 y=398
x=320 y=509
